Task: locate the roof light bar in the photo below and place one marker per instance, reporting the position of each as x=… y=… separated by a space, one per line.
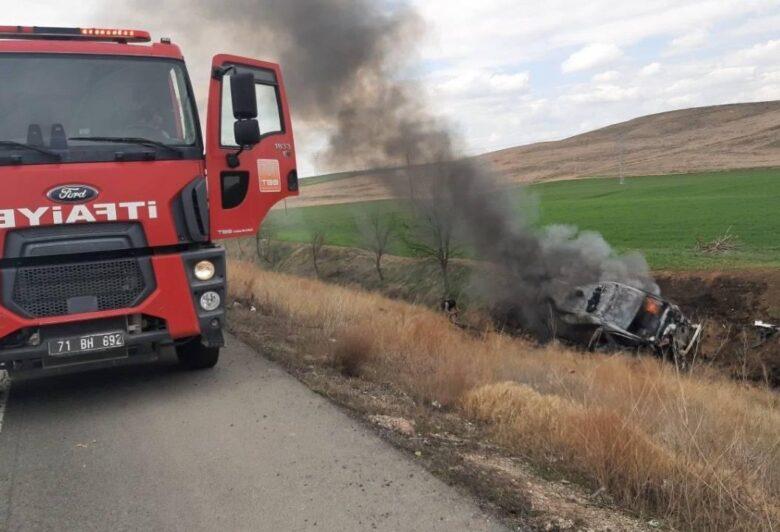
x=90 y=34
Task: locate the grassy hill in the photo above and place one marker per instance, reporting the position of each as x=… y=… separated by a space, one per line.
x=704 y=139
x=661 y=216
x=720 y=137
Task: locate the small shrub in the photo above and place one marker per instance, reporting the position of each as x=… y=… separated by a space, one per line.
x=351 y=353
x=720 y=244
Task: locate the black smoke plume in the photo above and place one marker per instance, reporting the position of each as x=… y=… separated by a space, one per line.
x=345 y=64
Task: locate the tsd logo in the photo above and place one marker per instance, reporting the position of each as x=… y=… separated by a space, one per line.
x=72 y=194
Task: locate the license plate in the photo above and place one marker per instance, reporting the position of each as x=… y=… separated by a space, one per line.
x=88 y=343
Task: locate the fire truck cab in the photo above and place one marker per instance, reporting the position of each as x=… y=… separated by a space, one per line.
x=112 y=201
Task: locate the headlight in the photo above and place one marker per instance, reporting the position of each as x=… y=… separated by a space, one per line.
x=210 y=301
x=204 y=270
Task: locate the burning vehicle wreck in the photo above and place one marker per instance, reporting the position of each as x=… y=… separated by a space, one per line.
x=615 y=315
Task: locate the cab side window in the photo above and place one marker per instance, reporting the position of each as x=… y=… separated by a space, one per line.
x=268 y=107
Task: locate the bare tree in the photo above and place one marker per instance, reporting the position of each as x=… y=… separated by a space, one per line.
x=432 y=235
x=316 y=243
x=267 y=246
x=378 y=231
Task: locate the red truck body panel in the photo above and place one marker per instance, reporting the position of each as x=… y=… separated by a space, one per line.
x=170 y=51
x=137 y=183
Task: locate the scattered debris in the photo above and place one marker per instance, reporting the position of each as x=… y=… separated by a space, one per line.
x=397 y=424
x=611 y=314
x=720 y=244
x=765 y=331
x=559 y=523
x=450 y=308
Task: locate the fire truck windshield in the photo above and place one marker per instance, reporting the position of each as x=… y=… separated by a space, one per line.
x=47 y=99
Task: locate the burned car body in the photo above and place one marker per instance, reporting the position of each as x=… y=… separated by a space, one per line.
x=611 y=314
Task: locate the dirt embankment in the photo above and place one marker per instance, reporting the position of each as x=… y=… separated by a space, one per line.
x=728 y=304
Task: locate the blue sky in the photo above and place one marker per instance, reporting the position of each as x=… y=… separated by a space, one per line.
x=510 y=72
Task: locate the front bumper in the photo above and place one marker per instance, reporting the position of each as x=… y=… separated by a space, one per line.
x=171 y=311
x=36 y=357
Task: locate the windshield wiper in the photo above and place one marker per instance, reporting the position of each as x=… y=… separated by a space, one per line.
x=42 y=151
x=132 y=140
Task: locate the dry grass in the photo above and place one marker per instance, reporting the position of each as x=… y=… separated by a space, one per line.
x=351 y=354
x=699 y=450
x=728 y=241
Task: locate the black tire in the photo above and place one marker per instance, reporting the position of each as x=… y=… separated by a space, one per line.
x=195 y=355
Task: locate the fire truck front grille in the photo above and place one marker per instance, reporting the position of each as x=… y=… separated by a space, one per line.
x=43 y=291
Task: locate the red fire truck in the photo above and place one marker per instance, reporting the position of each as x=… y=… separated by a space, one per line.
x=109 y=208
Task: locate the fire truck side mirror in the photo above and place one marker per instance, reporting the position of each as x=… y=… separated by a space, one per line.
x=246 y=129
x=242 y=91
x=247 y=132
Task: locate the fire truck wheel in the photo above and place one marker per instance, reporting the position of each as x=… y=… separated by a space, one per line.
x=194 y=355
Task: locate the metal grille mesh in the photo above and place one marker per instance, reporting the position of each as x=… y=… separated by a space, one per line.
x=44 y=290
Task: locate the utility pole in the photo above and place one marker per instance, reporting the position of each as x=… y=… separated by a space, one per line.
x=621 y=155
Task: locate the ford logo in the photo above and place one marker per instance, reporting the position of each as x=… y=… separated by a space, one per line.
x=72 y=193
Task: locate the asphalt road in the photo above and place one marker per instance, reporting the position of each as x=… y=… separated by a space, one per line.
x=241 y=447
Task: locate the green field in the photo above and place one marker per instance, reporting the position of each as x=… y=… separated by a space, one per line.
x=661 y=216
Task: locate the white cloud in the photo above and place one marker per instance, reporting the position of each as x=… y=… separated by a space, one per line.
x=480 y=83
x=602 y=94
x=509 y=82
x=689 y=41
x=731 y=74
x=767 y=52
x=650 y=69
x=768 y=92
x=682 y=85
x=591 y=56
x=459 y=83
x=603 y=77
x=756 y=26
x=771 y=76
x=680 y=102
